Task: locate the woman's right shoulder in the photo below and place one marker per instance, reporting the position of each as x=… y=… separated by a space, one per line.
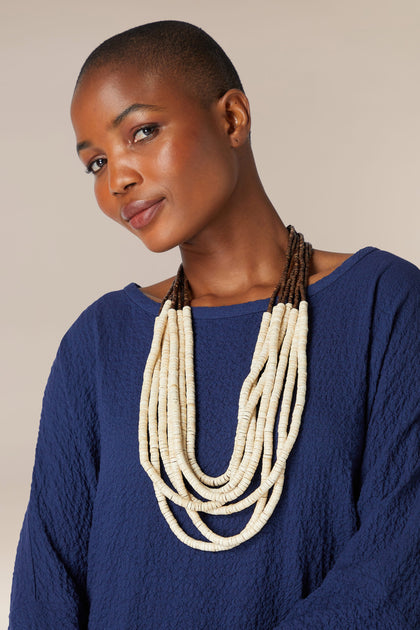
x=109 y=315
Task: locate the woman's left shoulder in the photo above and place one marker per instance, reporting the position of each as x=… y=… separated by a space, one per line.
x=377 y=264
x=396 y=274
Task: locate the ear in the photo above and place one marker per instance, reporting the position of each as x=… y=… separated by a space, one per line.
x=233 y=107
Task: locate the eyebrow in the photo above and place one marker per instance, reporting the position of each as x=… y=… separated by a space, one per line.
x=133 y=108
x=85 y=144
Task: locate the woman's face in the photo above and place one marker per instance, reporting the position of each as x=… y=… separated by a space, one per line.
x=163 y=165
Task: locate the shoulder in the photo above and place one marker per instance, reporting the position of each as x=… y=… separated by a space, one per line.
x=374 y=263
x=393 y=296
x=109 y=317
x=394 y=278
x=372 y=290
x=373 y=269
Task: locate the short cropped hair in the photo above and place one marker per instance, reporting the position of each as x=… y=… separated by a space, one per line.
x=170 y=48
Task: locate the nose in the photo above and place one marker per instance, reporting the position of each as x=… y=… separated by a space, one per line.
x=122 y=176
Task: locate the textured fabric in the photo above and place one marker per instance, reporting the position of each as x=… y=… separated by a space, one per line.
x=339 y=552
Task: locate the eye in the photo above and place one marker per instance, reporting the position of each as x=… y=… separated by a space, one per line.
x=96 y=165
x=144 y=133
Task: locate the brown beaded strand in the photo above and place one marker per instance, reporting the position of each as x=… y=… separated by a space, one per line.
x=167 y=409
x=291 y=288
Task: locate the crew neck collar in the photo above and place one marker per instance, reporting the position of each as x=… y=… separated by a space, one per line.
x=234 y=310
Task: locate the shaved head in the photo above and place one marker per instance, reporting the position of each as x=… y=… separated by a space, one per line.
x=169 y=49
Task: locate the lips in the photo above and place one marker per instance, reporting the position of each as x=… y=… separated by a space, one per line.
x=139 y=213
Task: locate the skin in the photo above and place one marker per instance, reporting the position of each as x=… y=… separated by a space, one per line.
x=199 y=161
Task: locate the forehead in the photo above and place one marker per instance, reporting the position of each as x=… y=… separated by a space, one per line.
x=110 y=90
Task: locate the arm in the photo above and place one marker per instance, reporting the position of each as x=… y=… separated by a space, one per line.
x=375 y=581
x=49 y=582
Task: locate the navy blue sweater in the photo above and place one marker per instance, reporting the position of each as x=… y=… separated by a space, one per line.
x=339 y=552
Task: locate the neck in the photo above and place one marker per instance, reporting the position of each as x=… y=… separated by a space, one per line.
x=239 y=257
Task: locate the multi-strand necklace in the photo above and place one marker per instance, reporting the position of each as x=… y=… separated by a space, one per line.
x=167 y=420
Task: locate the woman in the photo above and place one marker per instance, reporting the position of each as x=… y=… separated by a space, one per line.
x=326 y=540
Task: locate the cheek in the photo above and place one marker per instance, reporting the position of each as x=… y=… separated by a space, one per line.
x=198 y=168
x=177 y=160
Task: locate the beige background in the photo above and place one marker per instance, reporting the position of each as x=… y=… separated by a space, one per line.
x=335 y=95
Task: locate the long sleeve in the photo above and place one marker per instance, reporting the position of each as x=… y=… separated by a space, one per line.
x=49 y=582
x=375 y=581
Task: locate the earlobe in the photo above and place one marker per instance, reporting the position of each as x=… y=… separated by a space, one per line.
x=236 y=115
